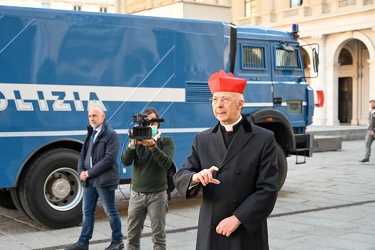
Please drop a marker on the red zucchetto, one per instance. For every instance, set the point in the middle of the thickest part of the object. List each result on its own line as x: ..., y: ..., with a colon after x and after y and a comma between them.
x: 222, y: 82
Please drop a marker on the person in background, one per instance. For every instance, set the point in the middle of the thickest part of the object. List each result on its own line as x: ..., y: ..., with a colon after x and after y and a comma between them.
x: 151, y: 159
x: 98, y: 172
x: 370, y: 136
x: 235, y: 164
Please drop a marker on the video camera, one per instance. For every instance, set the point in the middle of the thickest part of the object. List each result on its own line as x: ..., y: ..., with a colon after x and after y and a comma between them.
x: 142, y: 131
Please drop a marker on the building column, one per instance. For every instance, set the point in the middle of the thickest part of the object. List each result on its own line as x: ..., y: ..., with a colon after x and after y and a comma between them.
x: 357, y: 84
x: 320, y: 83
x: 366, y: 92
x: 149, y: 4
x: 332, y: 91
x: 120, y: 6
x: 371, y: 64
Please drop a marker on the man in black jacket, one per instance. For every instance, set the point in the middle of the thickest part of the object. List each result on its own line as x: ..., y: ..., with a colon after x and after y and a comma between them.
x: 98, y: 172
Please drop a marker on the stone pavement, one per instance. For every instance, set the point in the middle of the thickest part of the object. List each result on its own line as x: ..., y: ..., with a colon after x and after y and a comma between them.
x: 327, y: 203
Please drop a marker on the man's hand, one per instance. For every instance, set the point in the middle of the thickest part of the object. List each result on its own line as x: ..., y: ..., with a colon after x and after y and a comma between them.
x: 227, y: 226
x: 84, y: 175
x: 205, y: 177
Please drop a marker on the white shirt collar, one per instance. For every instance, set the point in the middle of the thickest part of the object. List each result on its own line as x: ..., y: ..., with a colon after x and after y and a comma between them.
x: 229, y: 127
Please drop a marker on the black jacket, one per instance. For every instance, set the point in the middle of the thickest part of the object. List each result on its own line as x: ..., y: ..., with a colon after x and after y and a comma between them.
x: 104, y: 171
x: 248, y: 174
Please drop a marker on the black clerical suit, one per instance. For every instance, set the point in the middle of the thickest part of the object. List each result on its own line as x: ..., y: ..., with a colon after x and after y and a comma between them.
x: 248, y: 173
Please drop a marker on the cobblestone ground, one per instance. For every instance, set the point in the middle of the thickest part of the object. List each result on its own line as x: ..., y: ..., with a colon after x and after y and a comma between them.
x: 327, y: 203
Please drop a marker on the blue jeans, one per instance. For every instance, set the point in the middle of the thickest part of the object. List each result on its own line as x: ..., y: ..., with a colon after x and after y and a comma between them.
x: 156, y: 206
x: 90, y: 199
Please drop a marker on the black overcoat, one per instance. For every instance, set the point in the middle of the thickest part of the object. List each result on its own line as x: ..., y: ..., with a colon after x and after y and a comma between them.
x: 248, y: 173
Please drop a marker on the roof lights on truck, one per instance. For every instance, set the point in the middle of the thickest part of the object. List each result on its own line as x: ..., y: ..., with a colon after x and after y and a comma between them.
x: 295, y: 31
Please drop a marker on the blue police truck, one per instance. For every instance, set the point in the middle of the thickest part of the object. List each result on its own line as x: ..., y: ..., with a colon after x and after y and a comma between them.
x: 55, y: 63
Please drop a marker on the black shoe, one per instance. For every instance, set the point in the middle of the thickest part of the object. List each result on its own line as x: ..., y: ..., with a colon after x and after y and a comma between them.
x: 76, y: 246
x: 365, y: 160
x: 116, y: 246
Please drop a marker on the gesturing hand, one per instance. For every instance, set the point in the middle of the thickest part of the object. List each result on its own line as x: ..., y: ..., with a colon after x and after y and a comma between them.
x: 205, y: 176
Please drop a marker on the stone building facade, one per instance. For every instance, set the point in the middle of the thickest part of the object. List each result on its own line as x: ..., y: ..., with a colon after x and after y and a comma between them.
x: 345, y: 32
x: 79, y: 5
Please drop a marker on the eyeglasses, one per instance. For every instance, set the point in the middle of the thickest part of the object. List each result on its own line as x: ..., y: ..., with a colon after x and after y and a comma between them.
x: 223, y: 99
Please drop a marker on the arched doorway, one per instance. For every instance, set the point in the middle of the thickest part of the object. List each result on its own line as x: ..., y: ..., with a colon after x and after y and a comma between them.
x: 345, y: 100
x: 345, y: 104
x: 353, y: 82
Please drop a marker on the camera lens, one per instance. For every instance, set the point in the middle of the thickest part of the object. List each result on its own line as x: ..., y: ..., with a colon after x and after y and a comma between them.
x: 143, y: 132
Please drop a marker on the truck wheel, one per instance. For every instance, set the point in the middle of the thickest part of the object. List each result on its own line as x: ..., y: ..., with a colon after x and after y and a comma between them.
x: 50, y: 191
x: 17, y: 201
x: 6, y: 199
x: 283, y: 165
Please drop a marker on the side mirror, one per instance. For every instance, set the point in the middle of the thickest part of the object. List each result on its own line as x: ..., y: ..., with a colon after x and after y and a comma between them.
x: 315, y: 60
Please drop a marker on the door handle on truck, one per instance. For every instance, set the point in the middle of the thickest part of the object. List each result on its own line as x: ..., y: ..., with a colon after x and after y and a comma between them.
x: 277, y: 100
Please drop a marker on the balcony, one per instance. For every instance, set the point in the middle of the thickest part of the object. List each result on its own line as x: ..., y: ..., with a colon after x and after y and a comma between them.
x: 141, y: 5
x: 307, y: 11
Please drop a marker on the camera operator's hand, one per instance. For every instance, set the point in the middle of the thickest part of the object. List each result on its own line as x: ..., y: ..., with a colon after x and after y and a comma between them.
x: 147, y: 143
x: 131, y: 144
x: 150, y: 143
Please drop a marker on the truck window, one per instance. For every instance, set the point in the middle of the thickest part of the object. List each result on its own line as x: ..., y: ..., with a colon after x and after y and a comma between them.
x: 287, y: 60
x: 252, y: 57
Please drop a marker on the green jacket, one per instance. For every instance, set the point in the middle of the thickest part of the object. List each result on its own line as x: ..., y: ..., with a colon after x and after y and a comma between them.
x: 149, y: 172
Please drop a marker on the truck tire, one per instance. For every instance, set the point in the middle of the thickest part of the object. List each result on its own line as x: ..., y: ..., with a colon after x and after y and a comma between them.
x: 283, y: 165
x: 50, y: 190
x: 6, y: 199
x: 16, y: 200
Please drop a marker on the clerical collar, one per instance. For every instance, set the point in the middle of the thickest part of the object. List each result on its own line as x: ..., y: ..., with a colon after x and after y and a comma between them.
x: 229, y: 128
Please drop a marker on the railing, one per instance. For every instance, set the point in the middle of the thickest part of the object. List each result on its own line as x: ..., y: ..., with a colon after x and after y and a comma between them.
x: 136, y: 6
x: 292, y: 12
x: 140, y: 5
x: 345, y: 3
x: 325, y: 7
x: 279, y: 15
x: 301, y: 12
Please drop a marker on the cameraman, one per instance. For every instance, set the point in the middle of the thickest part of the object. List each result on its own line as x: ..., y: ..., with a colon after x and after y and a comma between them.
x: 151, y: 159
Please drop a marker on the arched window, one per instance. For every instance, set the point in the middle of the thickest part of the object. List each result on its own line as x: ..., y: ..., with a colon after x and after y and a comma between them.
x: 345, y: 58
